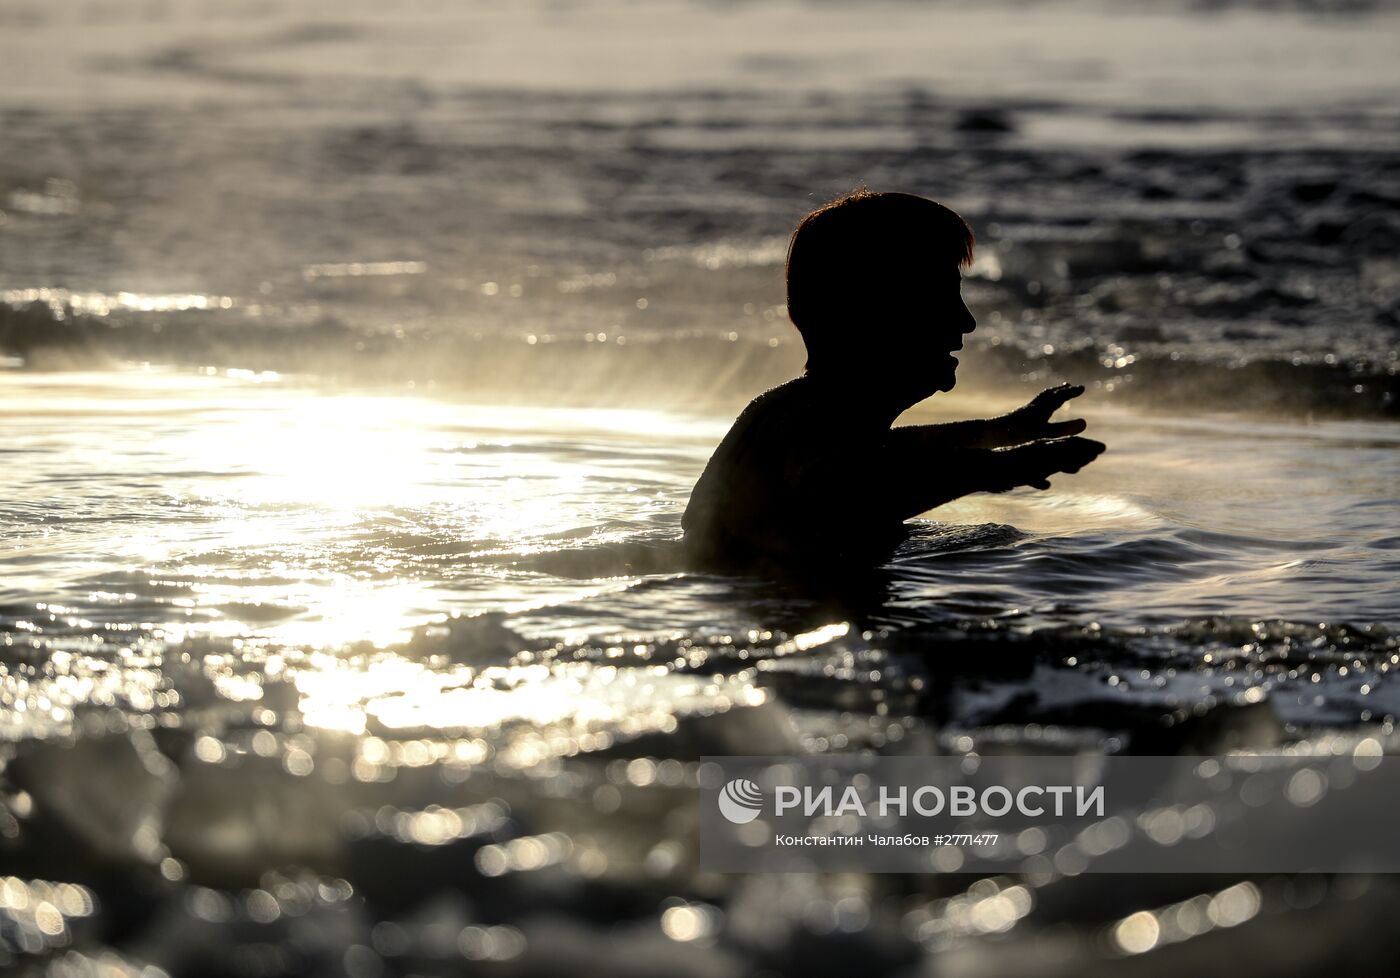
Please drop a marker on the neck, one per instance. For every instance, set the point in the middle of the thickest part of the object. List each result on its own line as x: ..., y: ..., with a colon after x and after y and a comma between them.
x: 863, y: 403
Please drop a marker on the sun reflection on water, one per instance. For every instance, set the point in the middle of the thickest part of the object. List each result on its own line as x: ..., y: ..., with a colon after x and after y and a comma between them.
x: 537, y: 710
x: 285, y: 524
x: 316, y: 517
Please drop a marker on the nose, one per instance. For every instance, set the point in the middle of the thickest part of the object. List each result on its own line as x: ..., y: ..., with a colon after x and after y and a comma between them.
x: 969, y: 321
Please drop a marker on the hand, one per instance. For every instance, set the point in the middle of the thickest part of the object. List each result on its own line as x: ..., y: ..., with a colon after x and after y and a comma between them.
x: 1032, y: 422
x: 1047, y: 458
x: 1032, y: 465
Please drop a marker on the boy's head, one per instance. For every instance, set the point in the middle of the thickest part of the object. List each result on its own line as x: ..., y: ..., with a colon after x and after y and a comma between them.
x: 873, y: 282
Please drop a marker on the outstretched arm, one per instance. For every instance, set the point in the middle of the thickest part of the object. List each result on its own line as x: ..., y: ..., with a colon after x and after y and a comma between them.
x: 1025, y: 424
x: 920, y: 483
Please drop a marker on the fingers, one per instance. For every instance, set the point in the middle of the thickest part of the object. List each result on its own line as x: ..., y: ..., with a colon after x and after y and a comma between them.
x: 1073, y: 453
x: 1052, y: 398
x: 1070, y: 454
x: 1063, y: 429
x: 1033, y: 465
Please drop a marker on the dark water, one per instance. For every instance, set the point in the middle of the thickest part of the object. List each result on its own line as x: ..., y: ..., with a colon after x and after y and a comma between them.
x: 357, y: 373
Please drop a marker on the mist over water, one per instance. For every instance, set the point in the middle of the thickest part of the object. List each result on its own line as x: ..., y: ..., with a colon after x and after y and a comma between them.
x: 359, y: 360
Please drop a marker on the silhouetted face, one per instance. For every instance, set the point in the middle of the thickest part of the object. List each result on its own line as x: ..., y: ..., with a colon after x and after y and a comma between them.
x: 949, y: 321
x: 927, y: 320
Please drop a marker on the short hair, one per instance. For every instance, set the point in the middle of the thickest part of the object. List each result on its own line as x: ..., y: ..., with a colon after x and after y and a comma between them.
x: 861, y: 238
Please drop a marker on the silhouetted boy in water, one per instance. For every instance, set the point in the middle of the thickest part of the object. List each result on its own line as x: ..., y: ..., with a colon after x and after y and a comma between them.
x: 812, y: 470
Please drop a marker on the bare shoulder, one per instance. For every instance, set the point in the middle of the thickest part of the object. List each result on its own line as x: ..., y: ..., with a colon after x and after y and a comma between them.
x: 782, y: 406
x: 751, y: 472
x: 773, y: 426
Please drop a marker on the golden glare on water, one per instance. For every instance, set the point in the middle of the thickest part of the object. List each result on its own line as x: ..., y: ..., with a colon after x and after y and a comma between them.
x: 292, y: 524
x: 562, y: 705
x: 320, y: 518
x: 265, y: 532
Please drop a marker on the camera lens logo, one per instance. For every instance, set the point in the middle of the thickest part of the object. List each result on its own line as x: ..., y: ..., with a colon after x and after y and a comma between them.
x: 740, y: 801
